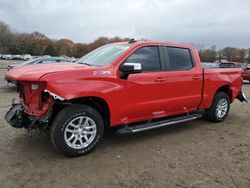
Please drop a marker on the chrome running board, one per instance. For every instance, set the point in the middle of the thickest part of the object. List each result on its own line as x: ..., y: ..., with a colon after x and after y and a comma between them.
x: 157, y: 124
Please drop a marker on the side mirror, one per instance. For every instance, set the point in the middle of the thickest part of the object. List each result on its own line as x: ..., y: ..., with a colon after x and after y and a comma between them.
x: 130, y: 68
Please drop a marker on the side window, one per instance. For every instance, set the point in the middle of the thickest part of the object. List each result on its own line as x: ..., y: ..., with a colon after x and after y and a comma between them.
x: 179, y: 59
x: 149, y: 58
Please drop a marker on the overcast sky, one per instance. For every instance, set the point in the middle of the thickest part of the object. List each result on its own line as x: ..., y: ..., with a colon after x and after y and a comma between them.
x: 208, y: 22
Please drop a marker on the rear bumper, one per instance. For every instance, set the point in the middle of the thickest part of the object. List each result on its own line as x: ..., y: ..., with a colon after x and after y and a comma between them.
x: 242, y: 97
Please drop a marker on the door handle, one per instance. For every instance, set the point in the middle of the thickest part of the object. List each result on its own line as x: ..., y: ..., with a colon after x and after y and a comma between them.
x: 196, y: 77
x: 160, y: 80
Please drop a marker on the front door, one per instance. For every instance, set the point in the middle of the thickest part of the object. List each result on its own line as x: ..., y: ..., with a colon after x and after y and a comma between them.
x: 143, y: 96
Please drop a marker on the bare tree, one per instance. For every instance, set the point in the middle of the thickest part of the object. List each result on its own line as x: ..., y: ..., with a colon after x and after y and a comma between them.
x: 5, y: 37
x: 248, y: 55
x: 229, y: 53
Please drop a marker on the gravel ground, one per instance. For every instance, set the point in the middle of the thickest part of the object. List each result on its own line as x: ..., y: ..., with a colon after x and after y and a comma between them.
x: 193, y: 154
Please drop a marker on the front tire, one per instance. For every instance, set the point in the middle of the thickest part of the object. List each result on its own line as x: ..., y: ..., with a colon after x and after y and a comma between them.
x: 77, y: 130
x: 219, y: 108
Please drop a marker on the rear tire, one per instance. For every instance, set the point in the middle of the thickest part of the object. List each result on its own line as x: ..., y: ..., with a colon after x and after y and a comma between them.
x: 219, y: 108
x: 77, y: 130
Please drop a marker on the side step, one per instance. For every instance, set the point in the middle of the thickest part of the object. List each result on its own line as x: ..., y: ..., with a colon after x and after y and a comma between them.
x: 157, y: 124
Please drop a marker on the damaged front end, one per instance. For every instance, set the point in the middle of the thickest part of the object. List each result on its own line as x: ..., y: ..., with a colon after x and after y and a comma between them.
x: 34, y: 109
x: 16, y: 116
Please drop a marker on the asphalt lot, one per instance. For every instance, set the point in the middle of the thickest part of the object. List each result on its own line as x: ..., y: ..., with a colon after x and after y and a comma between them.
x: 193, y: 154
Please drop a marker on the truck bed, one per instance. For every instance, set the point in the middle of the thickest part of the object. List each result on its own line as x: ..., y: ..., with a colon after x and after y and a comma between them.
x: 215, y: 78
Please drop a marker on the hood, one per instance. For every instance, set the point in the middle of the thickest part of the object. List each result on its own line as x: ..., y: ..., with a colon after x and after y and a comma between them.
x: 35, y: 72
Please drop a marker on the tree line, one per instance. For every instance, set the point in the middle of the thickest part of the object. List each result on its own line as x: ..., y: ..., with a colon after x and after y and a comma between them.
x: 36, y: 43
x: 231, y: 54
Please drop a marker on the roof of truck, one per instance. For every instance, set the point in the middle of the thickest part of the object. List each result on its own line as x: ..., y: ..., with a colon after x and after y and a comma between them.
x: 138, y: 43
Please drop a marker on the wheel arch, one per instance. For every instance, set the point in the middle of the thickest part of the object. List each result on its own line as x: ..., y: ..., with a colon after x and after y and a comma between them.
x: 209, y: 95
x: 225, y: 89
x: 98, y: 103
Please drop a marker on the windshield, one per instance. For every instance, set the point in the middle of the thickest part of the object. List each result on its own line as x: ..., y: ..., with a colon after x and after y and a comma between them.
x: 30, y: 61
x: 103, y: 55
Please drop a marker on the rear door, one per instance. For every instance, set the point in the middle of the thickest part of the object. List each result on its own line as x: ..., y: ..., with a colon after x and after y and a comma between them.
x: 184, y: 80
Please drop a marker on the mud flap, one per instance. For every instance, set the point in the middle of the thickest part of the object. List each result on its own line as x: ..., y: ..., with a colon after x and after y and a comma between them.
x: 242, y: 97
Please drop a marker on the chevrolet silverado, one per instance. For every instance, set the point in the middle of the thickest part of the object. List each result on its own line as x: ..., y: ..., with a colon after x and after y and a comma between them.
x: 133, y: 86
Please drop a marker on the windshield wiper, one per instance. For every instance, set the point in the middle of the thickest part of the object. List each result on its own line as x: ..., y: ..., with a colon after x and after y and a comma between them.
x: 85, y: 63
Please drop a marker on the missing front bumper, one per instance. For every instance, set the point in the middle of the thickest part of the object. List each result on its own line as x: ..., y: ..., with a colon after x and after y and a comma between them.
x: 16, y: 117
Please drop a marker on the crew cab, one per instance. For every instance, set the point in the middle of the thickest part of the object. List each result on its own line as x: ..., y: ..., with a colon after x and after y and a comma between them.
x: 133, y: 86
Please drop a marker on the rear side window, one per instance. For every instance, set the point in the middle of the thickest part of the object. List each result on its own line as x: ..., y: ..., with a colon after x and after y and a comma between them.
x: 227, y: 65
x: 149, y: 58
x: 179, y: 59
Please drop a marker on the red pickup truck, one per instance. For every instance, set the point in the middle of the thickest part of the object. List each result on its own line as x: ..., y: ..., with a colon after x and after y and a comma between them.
x: 134, y: 86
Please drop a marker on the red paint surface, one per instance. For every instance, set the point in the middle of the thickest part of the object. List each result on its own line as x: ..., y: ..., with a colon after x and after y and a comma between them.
x: 140, y: 97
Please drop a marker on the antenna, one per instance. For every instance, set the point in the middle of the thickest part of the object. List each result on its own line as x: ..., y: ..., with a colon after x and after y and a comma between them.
x: 132, y: 41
